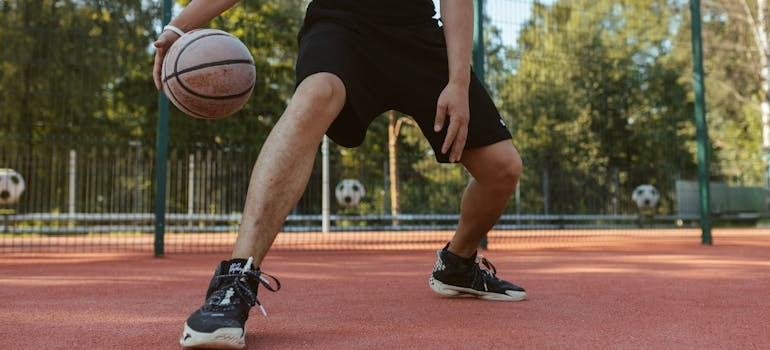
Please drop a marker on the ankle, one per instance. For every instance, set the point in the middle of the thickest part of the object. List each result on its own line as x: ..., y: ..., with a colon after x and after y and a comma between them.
x: 460, y: 253
x: 459, y: 259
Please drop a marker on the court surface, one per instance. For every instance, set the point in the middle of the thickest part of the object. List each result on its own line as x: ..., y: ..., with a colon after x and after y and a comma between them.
x: 632, y: 293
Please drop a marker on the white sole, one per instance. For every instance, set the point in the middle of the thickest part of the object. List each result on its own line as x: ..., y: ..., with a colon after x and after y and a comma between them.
x: 223, y: 338
x: 453, y: 291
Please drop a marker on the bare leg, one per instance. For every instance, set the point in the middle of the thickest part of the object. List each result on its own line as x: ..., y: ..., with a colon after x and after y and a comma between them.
x: 496, y: 170
x: 285, y: 163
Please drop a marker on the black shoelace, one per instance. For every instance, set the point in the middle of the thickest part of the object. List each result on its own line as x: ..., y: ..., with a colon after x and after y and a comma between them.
x: 488, y: 270
x: 487, y: 265
x: 241, y: 286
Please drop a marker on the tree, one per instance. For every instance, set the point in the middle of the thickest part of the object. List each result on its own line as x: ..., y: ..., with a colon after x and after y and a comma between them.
x: 595, y: 102
x: 739, y: 32
x: 64, y: 65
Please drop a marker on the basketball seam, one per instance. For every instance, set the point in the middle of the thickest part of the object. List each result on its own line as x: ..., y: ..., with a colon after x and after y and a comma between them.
x: 206, y: 65
x: 226, y: 97
x: 179, y: 103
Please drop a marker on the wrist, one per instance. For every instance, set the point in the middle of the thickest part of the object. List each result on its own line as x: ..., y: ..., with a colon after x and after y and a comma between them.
x: 460, y: 74
x: 460, y: 81
x: 174, y: 29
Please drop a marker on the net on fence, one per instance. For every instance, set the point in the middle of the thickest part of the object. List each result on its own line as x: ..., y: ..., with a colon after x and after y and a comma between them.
x: 597, y: 95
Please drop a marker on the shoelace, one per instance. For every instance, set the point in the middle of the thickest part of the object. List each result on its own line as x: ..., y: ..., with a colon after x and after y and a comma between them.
x: 487, y: 264
x: 241, y: 284
x: 487, y: 268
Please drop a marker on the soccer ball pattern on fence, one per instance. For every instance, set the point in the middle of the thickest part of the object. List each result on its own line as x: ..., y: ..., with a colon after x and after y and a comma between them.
x: 349, y: 192
x: 208, y: 74
x: 646, y: 197
x: 11, y: 186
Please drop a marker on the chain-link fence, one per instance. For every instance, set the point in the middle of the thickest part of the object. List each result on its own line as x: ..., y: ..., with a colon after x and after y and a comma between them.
x: 598, y: 96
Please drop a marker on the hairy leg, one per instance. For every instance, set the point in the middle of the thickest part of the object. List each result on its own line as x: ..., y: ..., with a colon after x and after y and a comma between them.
x: 496, y: 170
x: 285, y: 162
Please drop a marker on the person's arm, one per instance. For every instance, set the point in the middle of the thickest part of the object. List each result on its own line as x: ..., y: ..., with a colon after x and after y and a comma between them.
x: 195, y: 15
x: 457, y: 18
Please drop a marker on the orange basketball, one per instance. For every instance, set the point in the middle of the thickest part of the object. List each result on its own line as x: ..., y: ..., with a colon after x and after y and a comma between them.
x: 208, y: 74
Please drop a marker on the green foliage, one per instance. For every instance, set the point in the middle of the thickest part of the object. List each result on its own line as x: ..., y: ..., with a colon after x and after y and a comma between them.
x: 597, y: 94
x: 69, y: 78
x: 733, y: 93
x: 593, y: 102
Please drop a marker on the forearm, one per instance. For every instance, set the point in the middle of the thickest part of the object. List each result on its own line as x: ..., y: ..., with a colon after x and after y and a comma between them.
x: 457, y: 17
x: 200, y: 12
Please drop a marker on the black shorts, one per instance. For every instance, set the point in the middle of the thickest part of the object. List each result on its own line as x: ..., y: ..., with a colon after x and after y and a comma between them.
x: 383, y: 67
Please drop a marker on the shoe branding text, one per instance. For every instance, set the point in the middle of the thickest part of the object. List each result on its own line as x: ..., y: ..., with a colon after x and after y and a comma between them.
x: 235, y: 268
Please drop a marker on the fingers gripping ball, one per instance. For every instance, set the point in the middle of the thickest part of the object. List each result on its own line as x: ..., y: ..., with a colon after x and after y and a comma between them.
x: 208, y: 74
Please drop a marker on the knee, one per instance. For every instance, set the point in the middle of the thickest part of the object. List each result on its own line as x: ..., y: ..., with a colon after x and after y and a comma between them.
x: 321, y: 89
x: 509, y: 173
x: 504, y: 172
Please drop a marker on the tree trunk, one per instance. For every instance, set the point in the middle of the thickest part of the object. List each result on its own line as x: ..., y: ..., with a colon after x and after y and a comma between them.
x: 762, y: 28
x: 393, y: 131
x: 762, y: 33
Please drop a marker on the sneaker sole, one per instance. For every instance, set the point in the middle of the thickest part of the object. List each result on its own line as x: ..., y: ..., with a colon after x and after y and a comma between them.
x: 223, y: 338
x: 454, y: 291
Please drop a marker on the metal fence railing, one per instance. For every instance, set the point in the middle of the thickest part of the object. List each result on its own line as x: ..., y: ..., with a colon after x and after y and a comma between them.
x: 597, y: 94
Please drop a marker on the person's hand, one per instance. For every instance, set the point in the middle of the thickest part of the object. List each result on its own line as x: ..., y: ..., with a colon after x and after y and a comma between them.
x: 453, y: 105
x: 161, y: 47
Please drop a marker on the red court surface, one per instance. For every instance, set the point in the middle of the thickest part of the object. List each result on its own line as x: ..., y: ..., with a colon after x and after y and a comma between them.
x: 664, y: 293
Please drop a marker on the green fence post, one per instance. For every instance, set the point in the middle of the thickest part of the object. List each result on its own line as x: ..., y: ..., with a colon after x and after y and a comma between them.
x: 161, y: 150
x: 478, y: 59
x: 478, y: 40
x: 700, y: 123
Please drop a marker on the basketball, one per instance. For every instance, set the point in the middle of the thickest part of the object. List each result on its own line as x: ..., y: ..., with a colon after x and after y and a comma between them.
x: 208, y: 74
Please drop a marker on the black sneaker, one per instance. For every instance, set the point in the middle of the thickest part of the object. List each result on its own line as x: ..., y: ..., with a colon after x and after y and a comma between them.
x: 455, y: 276
x: 219, y: 323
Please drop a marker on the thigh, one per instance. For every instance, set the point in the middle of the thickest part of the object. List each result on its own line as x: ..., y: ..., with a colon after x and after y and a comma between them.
x: 485, y: 126
x: 328, y: 47
x: 420, y: 75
